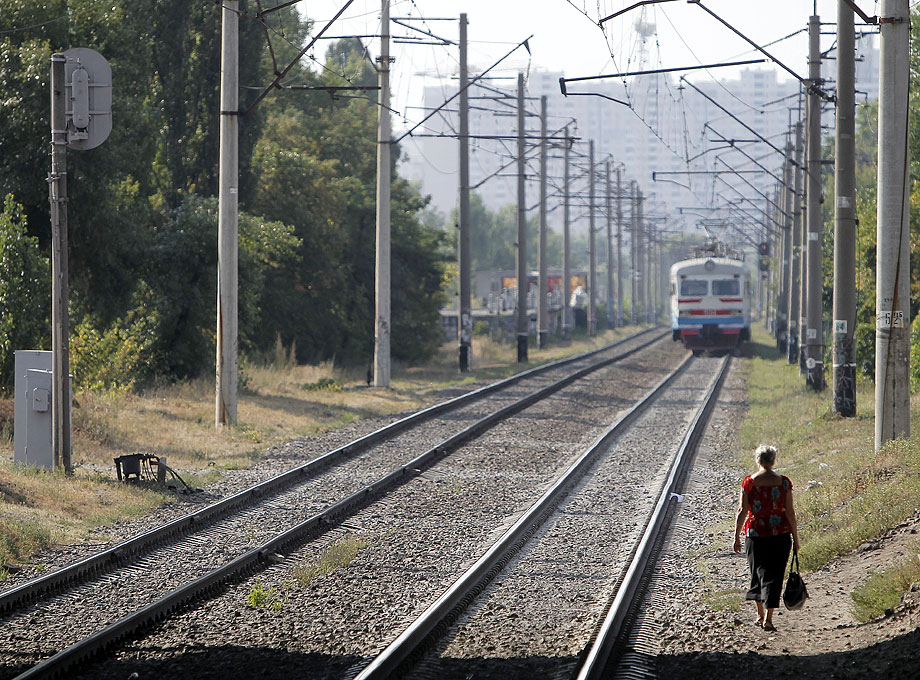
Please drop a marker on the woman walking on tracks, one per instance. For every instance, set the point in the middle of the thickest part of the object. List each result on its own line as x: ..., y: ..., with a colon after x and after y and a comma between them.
x: 766, y: 516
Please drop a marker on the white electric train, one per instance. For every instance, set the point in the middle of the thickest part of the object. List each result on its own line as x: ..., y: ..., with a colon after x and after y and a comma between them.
x: 710, y: 303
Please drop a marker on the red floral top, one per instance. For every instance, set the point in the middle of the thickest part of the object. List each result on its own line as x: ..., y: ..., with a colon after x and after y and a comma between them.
x: 766, y: 508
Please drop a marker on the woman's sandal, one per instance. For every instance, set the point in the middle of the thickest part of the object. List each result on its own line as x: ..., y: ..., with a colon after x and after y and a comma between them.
x: 768, y: 627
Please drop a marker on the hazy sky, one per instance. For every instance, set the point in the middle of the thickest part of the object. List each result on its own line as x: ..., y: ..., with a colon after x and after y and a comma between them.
x: 566, y: 36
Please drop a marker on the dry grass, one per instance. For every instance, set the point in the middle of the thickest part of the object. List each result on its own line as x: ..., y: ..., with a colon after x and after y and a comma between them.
x: 39, y: 509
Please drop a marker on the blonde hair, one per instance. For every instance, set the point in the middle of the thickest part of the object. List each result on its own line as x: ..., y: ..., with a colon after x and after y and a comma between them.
x: 765, y: 455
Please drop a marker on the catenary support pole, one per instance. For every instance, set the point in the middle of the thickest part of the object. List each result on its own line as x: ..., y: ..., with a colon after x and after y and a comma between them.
x: 619, y: 249
x: 60, y: 314
x: 566, y: 245
x: 768, y: 316
x: 783, y: 300
x: 465, y: 321
x: 802, y: 291
x: 795, y: 298
x: 641, y: 272
x: 649, y: 274
x: 892, y: 271
x: 611, y: 313
x: 228, y: 218
x: 844, y: 355
x: 634, y: 260
x: 382, y: 324
x: 813, y: 332
x: 542, y: 338
x: 778, y: 326
x: 523, y: 318
x: 788, y: 196
x: 592, y: 252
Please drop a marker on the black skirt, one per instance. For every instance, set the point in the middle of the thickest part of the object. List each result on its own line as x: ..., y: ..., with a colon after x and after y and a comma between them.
x: 767, y: 556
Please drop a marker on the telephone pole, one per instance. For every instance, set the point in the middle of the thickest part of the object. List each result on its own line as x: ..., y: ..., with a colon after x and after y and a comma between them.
x: 228, y: 219
x: 382, y: 284
x: 541, y: 285
x: 844, y: 356
x: 465, y: 322
x: 523, y: 319
x: 592, y: 254
x: 566, y: 246
x: 892, y: 271
x: 814, y: 338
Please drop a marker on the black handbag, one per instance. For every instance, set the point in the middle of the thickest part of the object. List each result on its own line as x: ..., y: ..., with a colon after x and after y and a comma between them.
x: 796, y: 593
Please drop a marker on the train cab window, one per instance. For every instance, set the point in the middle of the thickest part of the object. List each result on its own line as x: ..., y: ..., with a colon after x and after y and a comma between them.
x: 694, y: 287
x: 726, y: 287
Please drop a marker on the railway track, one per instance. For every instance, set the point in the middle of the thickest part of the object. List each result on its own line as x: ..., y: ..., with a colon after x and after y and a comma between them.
x: 296, y: 494
x: 486, y: 623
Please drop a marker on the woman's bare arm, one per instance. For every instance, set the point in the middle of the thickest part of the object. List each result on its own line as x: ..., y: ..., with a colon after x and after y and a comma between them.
x: 790, y: 515
x: 739, y: 520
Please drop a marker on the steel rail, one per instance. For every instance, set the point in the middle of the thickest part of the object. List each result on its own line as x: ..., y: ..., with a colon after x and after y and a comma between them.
x: 455, y: 599
x: 257, y: 558
x: 117, y: 555
x: 595, y: 664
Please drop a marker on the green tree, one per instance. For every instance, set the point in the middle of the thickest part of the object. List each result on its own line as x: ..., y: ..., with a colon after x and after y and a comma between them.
x: 25, y: 296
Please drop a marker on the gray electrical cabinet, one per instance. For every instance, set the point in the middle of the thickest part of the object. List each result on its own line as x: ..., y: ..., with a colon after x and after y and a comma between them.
x: 32, y: 424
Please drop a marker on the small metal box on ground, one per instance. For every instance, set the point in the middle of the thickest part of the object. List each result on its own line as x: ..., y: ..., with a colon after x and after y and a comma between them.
x: 32, y: 410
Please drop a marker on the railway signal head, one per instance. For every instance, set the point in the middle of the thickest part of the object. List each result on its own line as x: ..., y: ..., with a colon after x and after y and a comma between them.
x: 764, y: 249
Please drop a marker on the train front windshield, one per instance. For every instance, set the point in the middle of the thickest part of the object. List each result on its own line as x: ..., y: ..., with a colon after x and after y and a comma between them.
x: 726, y: 287
x: 694, y: 287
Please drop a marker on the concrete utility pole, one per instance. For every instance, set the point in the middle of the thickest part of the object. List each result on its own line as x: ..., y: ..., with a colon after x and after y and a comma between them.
x: 228, y: 219
x: 814, y: 337
x: 797, y: 221
x: 892, y: 271
x: 619, y: 250
x: 641, y: 272
x: 382, y: 285
x: 783, y: 300
x: 775, y: 279
x: 655, y: 269
x: 634, y: 259
x: 611, y: 314
x: 802, y: 292
x: 844, y: 356
x: 465, y: 321
x: 60, y: 313
x: 789, y: 227
x: 592, y: 254
x: 541, y: 292
x: 649, y: 275
x: 771, y: 238
x: 566, y: 246
x: 523, y: 319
